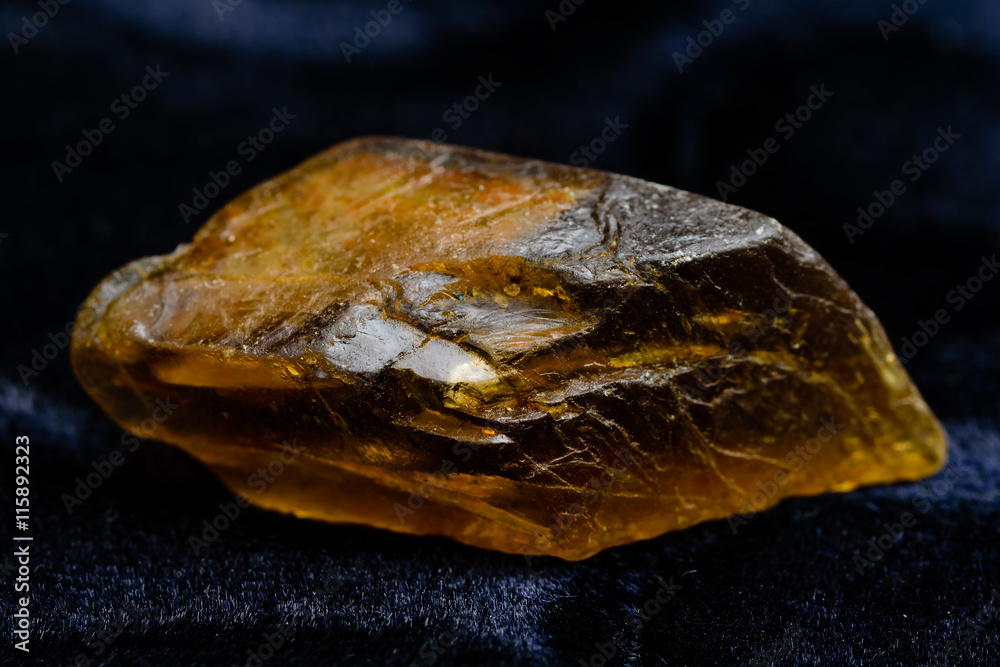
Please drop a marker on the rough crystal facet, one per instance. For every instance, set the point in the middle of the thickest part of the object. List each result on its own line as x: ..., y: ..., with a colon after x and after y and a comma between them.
x: 515, y: 354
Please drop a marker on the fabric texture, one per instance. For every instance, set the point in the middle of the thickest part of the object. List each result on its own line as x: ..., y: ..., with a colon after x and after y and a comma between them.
x: 685, y: 94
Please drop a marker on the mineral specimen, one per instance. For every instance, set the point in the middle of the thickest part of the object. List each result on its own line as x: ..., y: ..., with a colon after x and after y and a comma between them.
x: 518, y: 355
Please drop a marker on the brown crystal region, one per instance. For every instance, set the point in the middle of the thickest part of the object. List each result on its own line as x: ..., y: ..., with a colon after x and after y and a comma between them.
x: 518, y: 355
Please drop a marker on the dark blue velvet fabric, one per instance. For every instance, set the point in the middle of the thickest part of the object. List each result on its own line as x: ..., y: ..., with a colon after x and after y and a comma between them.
x: 116, y: 582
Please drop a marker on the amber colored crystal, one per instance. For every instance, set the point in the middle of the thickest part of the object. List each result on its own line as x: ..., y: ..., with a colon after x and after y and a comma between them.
x: 518, y: 355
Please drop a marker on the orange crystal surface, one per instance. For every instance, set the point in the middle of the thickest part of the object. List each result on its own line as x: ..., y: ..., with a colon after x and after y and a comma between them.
x: 518, y: 355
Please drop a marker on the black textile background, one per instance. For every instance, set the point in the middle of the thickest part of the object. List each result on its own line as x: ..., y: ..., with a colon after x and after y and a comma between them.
x: 117, y: 582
